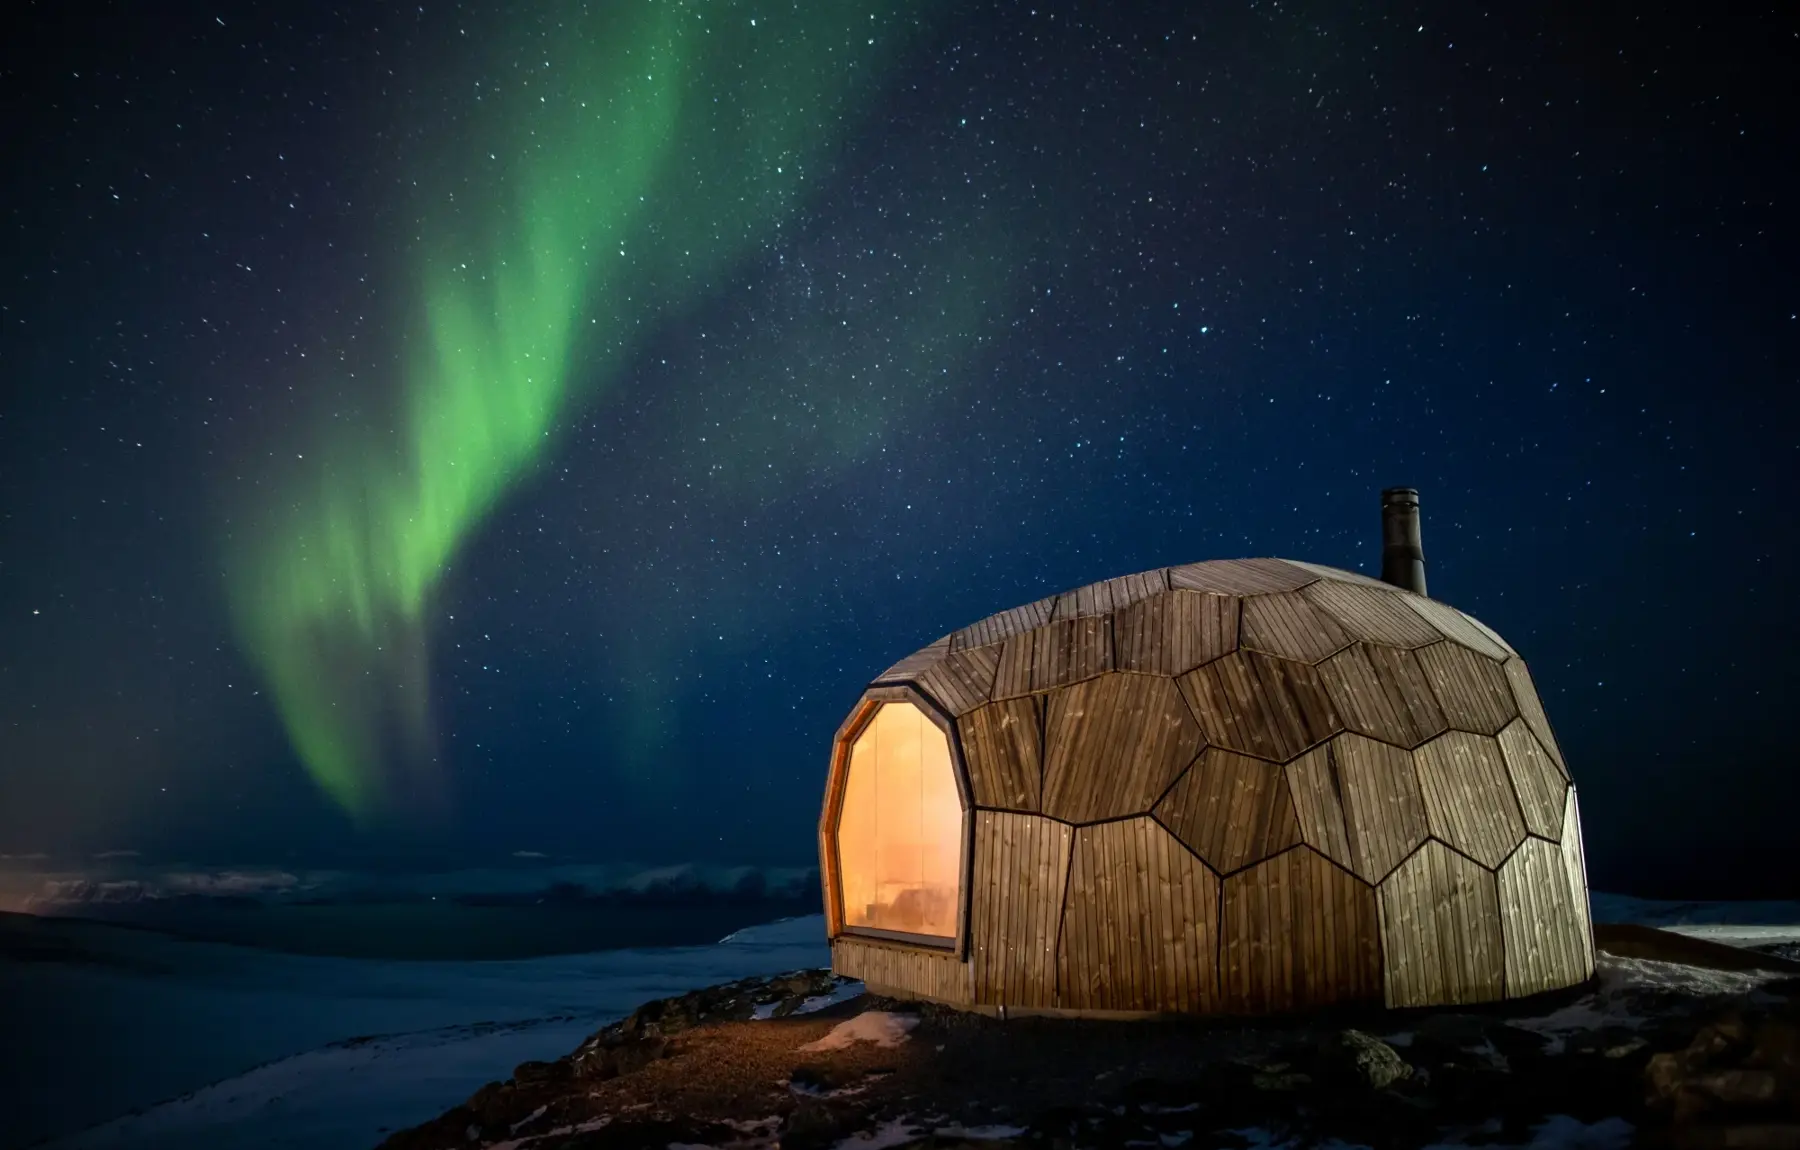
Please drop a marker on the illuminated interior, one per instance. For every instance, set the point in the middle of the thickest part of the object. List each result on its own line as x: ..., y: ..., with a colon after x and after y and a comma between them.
x: 900, y: 834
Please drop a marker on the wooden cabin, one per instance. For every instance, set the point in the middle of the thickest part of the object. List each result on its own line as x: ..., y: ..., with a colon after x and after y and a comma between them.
x: 1234, y: 786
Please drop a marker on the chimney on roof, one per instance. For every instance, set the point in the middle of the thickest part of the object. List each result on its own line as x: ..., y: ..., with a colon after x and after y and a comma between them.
x: 1402, y: 555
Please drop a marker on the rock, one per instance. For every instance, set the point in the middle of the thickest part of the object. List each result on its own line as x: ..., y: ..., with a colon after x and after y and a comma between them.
x: 1352, y: 1057
x: 814, y: 1124
x: 558, y: 1071
x: 823, y: 1078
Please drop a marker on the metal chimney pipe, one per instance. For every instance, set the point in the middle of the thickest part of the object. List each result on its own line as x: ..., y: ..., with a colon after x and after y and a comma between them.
x: 1402, y: 555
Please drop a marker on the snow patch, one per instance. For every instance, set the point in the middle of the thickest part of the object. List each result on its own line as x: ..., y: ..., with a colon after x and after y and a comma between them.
x: 882, y: 1027
x: 990, y: 1133
x: 894, y: 1132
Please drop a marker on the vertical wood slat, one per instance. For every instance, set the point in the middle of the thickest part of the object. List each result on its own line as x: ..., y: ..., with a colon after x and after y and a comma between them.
x: 1538, y: 784
x: 1001, y: 746
x: 1372, y: 614
x: 1113, y: 744
x: 1260, y: 705
x: 1531, y: 709
x: 1440, y: 931
x: 1471, y: 689
x: 1233, y: 810
x: 1289, y: 625
x: 1575, y: 868
x: 1314, y: 787
x: 1469, y: 799
x: 1012, y: 672
x: 1173, y: 632
x: 1070, y: 650
x: 908, y: 970
x: 1116, y: 892
x: 1542, y: 927
x: 1383, y: 693
x: 1298, y: 932
x: 1385, y: 817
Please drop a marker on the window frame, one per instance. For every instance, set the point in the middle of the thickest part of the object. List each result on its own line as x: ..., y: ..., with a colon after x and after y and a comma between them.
x: 829, y: 870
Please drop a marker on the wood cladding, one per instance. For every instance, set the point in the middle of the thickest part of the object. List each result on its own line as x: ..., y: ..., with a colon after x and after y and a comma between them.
x: 1241, y: 576
x: 1260, y: 705
x: 1003, y: 625
x: 1022, y: 864
x: 1440, y: 931
x: 1231, y: 809
x: 1544, y: 931
x: 1575, y: 869
x: 1384, y: 693
x: 887, y: 966
x: 916, y: 662
x: 1251, y: 785
x: 1536, y: 781
x: 1002, y: 746
x: 1454, y: 625
x: 1374, y: 616
x: 1112, y: 746
x: 1109, y: 595
x: 1358, y: 803
x: 1471, y: 688
x: 1298, y: 932
x: 963, y: 680
x: 1140, y: 925
x: 1173, y: 632
x: 1531, y: 709
x: 1288, y: 625
x: 1469, y: 799
x: 1070, y: 650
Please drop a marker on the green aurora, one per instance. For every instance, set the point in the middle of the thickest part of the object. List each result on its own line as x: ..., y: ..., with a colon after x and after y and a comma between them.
x: 627, y: 166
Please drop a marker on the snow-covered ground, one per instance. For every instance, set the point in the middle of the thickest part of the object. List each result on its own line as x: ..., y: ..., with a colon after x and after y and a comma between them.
x: 306, y: 1052
x: 220, y: 1047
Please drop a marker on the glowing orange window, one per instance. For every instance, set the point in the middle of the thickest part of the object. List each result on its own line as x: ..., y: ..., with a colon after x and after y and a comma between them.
x: 900, y: 833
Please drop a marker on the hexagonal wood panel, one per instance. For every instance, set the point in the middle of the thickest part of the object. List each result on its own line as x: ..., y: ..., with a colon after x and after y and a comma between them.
x: 1174, y: 632
x: 1289, y: 626
x: 1140, y: 925
x: 1016, y: 912
x: 1231, y: 809
x: 1298, y: 932
x: 1260, y: 705
x: 1001, y: 745
x: 1240, y: 576
x: 1471, y: 688
x: 1542, y: 927
x: 1440, y: 931
x: 1536, y: 781
x: 1455, y: 626
x: 1383, y: 692
x: 1531, y: 708
x: 1113, y: 745
x: 1358, y: 803
x: 1469, y: 800
x: 1373, y: 614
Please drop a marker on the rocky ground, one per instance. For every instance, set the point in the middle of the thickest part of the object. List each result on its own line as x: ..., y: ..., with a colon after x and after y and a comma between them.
x: 1675, y: 1043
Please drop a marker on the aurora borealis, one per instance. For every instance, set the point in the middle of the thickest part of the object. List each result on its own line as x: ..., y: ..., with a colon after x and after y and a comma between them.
x: 526, y: 426
x: 630, y: 159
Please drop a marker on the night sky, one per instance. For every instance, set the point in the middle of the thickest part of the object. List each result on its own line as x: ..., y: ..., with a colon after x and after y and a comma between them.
x: 433, y: 432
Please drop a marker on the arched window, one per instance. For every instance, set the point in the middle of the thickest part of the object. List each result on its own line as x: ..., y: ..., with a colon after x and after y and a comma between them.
x: 899, y: 836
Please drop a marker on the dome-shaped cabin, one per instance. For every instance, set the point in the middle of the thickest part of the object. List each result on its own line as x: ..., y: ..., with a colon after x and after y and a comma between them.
x: 1233, y: 786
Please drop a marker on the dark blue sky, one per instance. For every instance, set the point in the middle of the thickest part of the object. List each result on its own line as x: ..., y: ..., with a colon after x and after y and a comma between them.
x: 1199, y: 280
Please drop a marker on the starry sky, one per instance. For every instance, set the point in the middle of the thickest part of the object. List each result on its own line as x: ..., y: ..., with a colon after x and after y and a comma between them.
x: 431, y: 432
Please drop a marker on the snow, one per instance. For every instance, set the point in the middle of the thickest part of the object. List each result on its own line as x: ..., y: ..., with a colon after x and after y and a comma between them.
x: 222, y: 1046
x: 881, y: 1027
x: 280, y: 1038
